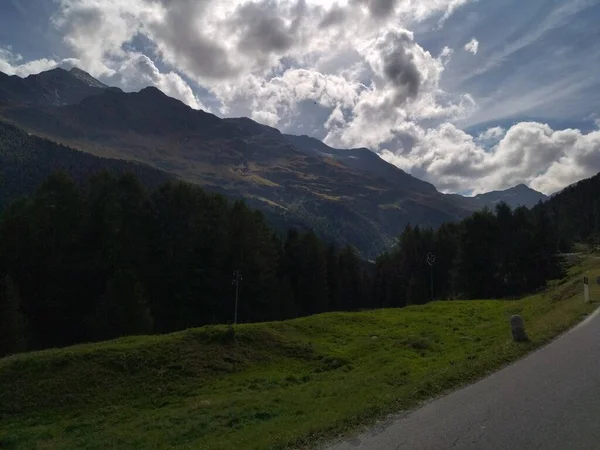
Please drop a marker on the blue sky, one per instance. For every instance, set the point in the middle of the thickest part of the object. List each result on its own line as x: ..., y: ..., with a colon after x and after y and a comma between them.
x: 518, y: 104
x: 537, y: 60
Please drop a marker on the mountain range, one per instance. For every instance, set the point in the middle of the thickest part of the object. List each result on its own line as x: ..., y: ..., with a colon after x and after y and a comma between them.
x: 520, y: 195
x: 350, y: 196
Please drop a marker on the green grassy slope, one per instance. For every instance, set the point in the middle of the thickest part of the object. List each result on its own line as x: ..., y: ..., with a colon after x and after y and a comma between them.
x: 272, y: 384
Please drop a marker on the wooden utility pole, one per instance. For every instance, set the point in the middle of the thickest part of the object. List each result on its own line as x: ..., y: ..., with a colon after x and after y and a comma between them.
x: 237, y: 277
x: 430, y: 261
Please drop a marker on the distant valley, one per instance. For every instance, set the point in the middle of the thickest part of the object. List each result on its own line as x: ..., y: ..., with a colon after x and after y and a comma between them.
x: 350, y: 196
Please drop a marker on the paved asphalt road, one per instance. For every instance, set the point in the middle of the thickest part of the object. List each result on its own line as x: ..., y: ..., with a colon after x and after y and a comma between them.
x: 549, y: 400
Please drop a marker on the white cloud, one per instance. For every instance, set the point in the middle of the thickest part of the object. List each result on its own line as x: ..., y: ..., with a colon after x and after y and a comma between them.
x: 262, y: 58
x: 12, y: 64
x: 403, y: 87
x: 265, y: 117
x: 138, y: 71
x: 349, y: 71
x: 472, y: 46
x: 133, y: 71
x: 528, y: 152
x: 213, y: 39
x: 491, y: 136
x: 404, y: 91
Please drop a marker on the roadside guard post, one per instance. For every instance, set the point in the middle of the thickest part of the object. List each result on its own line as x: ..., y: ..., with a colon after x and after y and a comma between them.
x: 517, y: 328
x: 586, y: 290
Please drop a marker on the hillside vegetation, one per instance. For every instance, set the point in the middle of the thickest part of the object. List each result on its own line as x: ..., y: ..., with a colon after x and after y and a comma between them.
x: 107, y: 258
x: 576, y: 211
x: 236, y: 157
x: 268, y: 385
x: 27, y: 161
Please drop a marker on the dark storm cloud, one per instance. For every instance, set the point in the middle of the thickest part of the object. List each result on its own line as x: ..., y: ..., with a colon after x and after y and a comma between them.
x: 265, y: 34
x: 86, y: 19
x: 381, y: 8
x: 334, y: 16
x: 399, y: 65
x: 378, y: 9
x: 180, y: 37
x: 262, y: 30
x: 404, y: 142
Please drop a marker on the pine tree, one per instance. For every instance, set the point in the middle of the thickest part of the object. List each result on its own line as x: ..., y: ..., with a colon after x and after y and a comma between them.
x: 123, y: 309
x: 445, y: 249
x: 13, y: 338
x: 333, y: 279
x: 352, y: 286
x: 522, y: 236
x: 287, y: 306
x: 413, y: 247
x: 313, y: 285
x: 506, y: 253
x: 544, y: 261
x: 383, y: 281
x: 475, y: 270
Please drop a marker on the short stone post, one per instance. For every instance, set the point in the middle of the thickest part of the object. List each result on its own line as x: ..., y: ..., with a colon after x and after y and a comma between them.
x: 517, y: 327
x: 586, y: 290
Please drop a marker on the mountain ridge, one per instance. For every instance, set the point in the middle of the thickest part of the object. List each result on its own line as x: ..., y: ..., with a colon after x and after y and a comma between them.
x: 55, y: 87
x: 519, y: 195
x: 350, y: 196
x: 359, y: 158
